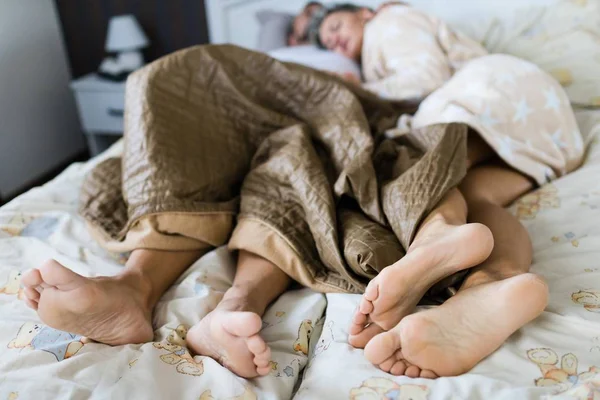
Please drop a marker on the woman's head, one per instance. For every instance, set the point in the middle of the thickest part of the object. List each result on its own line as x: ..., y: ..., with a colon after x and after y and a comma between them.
x: 341, y: 28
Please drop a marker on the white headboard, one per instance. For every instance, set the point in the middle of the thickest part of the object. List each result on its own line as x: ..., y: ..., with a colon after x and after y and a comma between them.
x: 234, y: 21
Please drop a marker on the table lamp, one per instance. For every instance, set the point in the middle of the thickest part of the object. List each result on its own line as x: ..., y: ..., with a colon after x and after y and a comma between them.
x: 125, y: 38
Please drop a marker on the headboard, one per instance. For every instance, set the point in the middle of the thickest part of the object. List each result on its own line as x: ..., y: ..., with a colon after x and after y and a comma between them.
x: 234, y: 21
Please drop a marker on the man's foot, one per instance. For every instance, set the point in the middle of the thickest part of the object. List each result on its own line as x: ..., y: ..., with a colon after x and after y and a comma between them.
x: 230, y: 335
x: 451, y: 339
x: 110, y: 310
x: 437, y: 253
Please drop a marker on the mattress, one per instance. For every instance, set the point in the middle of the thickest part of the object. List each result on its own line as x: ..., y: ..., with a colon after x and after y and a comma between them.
x: 558, y: 354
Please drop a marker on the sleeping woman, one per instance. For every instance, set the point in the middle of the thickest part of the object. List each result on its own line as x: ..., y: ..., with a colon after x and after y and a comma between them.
x: 522, y: 134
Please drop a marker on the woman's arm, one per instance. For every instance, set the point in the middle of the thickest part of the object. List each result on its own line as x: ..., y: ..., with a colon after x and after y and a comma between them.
x: 409, y: 54
x: 401, y: 56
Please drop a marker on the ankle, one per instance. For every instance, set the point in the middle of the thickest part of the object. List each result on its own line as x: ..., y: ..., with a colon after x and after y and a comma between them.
x: 240, y: 298
x: 141, y: 285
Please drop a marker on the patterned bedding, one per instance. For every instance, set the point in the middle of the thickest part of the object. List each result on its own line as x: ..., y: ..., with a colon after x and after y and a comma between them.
x: 556, y: 355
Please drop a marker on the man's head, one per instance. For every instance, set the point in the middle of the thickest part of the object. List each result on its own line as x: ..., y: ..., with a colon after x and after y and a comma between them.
x: 298, y: 34
x: 341, y: 29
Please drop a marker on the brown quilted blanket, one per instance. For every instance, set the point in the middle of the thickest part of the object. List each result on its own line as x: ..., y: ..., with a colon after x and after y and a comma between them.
x: 218, y: 137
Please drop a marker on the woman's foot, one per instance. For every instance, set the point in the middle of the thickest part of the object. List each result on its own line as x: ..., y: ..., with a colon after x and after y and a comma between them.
x: 451, y: 339
x: 230, y: 335
x: 110, y: 310
x: 438, y: 252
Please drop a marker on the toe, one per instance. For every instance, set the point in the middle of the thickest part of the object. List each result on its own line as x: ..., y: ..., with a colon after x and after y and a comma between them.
x: 262, y: 371
x: 382, y: 346
x: 360, y: 340
x: 428, y: 374
x: 372, y: 291
x: 399, y: 368
x: 55, y: 274
x: 360, y: 318
x: 387, y: 365
x: 243, y: 324
x: 366, y: 307
x: 413, y: 371
x: 31, y: 304
x: 257, y: 345
x: 355, y: 329
x: 261, y: 362
x: 32, y: 294
x: 32, y: 278
x: 263, y: 358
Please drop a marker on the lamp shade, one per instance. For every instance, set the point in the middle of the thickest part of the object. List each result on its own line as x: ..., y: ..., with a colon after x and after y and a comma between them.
x: 125, y: 33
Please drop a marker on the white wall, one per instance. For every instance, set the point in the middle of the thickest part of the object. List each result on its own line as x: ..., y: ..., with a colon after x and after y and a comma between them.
x: 39, y: 128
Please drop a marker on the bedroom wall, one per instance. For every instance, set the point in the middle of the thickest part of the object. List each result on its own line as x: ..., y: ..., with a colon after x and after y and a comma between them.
x: 39, y: 127
x: 169, y: 24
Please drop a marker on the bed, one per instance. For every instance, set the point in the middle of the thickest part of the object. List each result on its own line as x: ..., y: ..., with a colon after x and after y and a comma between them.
x: 558, y: 354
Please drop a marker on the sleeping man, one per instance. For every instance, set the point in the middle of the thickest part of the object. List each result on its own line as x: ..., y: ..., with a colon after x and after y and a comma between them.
x: 298, y: 34
x: 311, y: 179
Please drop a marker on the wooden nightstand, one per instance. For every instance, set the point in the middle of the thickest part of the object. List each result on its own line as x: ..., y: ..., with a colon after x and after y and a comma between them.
x: 101, y: 104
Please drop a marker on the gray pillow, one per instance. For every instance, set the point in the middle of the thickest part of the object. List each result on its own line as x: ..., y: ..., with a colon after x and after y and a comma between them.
x: 274, y: 29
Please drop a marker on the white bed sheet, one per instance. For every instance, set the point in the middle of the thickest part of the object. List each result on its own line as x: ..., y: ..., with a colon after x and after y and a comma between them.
x: 37, y: 362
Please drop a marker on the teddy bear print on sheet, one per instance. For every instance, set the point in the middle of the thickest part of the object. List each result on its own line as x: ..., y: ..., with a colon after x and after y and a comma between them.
x: 589, y: 299
x: 528, y: 206
x: 568, y: 237
x: 325, y: 339
x: 34, y: 336
x: 304, y: 334
x: 591, y: 200
x: 386, y: 389
x: 300, y: 346
x: 278, y: 320
x: 247, y: 395
x: 41, y: 227
x: 12, y: 287
x: 562, y: 375
x: 178, y: 355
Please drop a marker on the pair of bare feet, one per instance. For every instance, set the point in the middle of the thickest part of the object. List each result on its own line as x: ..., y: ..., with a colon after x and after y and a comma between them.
x: 442, y: 341
x: 451, y: 339
x: 117, y: 311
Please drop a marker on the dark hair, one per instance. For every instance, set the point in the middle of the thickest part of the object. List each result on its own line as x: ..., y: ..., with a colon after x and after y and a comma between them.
x: 319, y: 16
x: 290, y: 27
x: 313, y: 3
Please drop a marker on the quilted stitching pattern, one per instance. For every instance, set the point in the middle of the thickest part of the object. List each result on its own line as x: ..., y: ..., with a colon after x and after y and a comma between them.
x: 211, y: 125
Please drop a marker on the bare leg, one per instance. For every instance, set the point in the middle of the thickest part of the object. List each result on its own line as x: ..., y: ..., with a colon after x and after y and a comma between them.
x: 444, y: 244
x: 496, y: 299
x: 441, y: 247
x: 230, y: 333
x: 488, y: 189
x: 113, y: 310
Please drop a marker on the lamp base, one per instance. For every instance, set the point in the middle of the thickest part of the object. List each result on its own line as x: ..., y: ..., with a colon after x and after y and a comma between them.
x: 120, y: 77
x: 117, y: 69
x: 130, y: 60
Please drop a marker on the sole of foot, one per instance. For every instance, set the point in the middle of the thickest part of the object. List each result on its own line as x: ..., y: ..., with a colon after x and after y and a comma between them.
x: 232, y: 338
x: 110, y: 310
x: 451, y: 339
x: 396, y: 291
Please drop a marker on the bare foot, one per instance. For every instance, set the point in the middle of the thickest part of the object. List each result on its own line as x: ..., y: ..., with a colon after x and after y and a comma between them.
x: 230, y: 335
x: 451, y: 339
x: 111, y: 310
x: 441, y: 251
